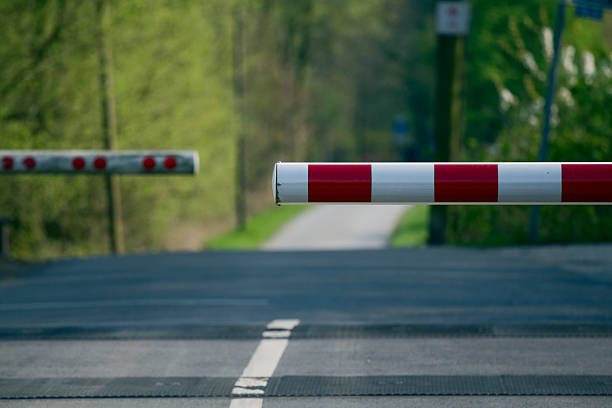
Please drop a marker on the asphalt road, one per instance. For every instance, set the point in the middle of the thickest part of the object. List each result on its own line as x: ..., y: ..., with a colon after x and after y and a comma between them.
x: 339, y: 227
x: 430, y: 327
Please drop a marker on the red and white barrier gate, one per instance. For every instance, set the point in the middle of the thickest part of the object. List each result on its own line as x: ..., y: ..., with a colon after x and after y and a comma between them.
x: 98, y: 162
x: 443, y: 183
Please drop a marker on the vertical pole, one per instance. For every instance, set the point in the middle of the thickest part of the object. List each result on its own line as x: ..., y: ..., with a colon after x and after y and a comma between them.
x: 449, y: 123
x: 239, y: 90
x: 550, y: 93
x: 109, y: 126
x: 5, y: 250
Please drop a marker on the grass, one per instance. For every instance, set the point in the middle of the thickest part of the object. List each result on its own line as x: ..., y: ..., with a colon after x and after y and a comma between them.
x: 259, y: 228
x: 412, y: 228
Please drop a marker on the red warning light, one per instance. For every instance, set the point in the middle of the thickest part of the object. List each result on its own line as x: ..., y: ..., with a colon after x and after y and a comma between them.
x: 7, y: 163
x: 99, y: 163
x: 170, y: 162
x: 148, y: 163
x: 29, y: 162
x: 78, y: 163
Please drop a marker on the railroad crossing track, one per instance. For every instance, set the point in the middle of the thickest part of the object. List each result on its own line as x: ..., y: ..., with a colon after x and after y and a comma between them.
x: 430, y: 327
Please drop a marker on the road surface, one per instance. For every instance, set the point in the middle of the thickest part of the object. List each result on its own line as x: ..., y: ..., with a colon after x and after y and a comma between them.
x: 429, y: 327
x: 339, y: 227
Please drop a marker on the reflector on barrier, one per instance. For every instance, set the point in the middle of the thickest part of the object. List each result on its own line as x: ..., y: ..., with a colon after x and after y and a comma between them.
x: 443, y: 183
x: 98, y: 162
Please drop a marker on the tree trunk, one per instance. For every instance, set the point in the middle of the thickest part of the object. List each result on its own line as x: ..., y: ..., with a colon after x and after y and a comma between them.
x: 239, y: 90
x: 109, y: 125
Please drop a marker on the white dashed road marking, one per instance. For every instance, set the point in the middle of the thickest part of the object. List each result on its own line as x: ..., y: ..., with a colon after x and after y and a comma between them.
x: 254, y: 378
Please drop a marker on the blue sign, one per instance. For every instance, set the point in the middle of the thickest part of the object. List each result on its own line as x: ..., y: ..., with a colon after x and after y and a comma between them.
x: 591, y: 9
x: 400, y: 126
x: 593, y: 12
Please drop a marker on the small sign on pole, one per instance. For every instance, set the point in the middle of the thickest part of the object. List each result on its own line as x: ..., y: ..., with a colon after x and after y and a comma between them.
x: 452, y: 18
x: 589, y: 9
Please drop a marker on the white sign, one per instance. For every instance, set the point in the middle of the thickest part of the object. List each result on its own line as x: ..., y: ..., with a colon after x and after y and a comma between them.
x: 452, y: 17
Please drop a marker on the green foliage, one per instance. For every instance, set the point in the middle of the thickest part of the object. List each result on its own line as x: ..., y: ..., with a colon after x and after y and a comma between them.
x: 173, y: 89
x: 323, y: 81
x: 412, y: 228
x: 508, y: 54
x: 258, y: 229
x: 172, y: 92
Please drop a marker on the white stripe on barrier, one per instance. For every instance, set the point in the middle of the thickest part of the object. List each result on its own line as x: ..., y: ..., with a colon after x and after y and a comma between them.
x: 392, y: 183
x: 529, y: 182
x: 292, y: 183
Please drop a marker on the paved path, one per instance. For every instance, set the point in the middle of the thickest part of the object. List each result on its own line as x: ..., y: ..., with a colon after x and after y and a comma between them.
x: 427, y: 327
x: 339, y: 227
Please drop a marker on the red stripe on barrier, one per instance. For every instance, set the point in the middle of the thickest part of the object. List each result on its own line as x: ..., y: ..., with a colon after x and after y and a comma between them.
x: 170, y: 163
x: 100, y: 163
x: 7, y: 163
x: 78, y: 163
x: 148, y: 163
x: 29, y: 162
x: 455, y: 183
x: 586, y: 182
x: 339, y: 183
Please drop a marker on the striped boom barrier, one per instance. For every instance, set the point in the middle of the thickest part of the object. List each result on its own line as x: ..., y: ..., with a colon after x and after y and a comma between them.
x: 443, y: 183
x: 98, y: 162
